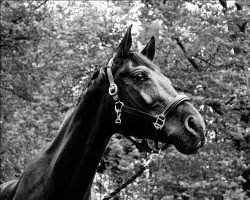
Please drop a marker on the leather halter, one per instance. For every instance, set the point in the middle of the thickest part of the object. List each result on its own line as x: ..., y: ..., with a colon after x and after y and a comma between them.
x: 158, y: 121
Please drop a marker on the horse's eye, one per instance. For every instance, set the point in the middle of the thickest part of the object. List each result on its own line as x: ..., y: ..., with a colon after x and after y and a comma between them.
x: 139, y: 76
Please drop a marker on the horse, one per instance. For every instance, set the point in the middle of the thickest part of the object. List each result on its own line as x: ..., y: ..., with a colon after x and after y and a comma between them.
x: 129, y: 95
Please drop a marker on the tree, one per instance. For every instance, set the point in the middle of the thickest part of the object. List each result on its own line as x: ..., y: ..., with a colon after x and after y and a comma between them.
x: 49, y: 50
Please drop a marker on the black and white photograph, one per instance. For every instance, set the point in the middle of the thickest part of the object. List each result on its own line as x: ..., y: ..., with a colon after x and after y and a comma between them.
x: 125, y: 100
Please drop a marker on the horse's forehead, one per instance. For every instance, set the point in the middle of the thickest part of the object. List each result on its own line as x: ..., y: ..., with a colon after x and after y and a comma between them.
x: 154, y: 74
x: 132, y: 64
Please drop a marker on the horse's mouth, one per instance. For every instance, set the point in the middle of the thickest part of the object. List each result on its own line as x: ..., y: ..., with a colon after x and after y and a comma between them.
x: 187, y: 145
x: 186, y: 140
x: 188, y: 150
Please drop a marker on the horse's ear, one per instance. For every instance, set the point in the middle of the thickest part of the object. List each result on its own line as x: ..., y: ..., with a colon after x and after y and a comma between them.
x: 125, y: 45
x: 149, y: 49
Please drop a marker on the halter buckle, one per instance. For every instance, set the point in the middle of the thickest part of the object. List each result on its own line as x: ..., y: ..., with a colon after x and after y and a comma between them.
x: 159, y: 123
x: 113, y: 89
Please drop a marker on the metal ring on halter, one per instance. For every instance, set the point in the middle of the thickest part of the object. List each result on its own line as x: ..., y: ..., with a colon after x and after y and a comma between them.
x: 113, y: 89
x: 118, y: 106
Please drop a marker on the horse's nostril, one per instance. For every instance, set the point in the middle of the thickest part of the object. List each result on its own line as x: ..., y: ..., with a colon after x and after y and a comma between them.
x: 191, y: 125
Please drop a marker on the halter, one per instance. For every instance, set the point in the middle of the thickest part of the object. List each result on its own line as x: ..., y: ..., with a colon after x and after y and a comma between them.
x: 158, y: 121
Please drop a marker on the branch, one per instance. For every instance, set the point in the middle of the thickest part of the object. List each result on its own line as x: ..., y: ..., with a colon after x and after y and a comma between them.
x: 242, y: 27
x: 223, y: 3
x: 202, y: 59
x: 22, y: 38
x: 64, y: 107
x: 182, y: 89
x: 104, y: 41
x: 216, y: 106
x: 238, y: 6
x: 42, y: 4
x: 230, y: 100
x: 189, y: 58
x: 26, y: 97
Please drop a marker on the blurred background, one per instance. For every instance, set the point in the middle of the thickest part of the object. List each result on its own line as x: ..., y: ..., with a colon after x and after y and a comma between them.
x: 49, y: 50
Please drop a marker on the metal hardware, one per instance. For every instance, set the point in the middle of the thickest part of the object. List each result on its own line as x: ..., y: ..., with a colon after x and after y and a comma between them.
x: 113, y: 89
x: 159, y: 123
x: 153, y: 157
x: 118, y: 110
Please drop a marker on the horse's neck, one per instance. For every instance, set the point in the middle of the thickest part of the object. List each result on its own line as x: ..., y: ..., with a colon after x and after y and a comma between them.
x: 78, y: 148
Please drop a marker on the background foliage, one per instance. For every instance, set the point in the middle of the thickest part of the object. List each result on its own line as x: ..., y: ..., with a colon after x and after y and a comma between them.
x: 50, y: 49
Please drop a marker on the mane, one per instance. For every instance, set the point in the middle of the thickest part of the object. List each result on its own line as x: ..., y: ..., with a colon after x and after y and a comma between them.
x: 143, y: 60
x: 95, y: 77
x: 68, y: 114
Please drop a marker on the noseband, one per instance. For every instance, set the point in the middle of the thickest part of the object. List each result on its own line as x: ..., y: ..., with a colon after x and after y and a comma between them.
x: 158, y: 121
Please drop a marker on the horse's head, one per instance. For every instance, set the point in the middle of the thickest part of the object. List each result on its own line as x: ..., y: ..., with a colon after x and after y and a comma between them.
x: 146, y: 93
